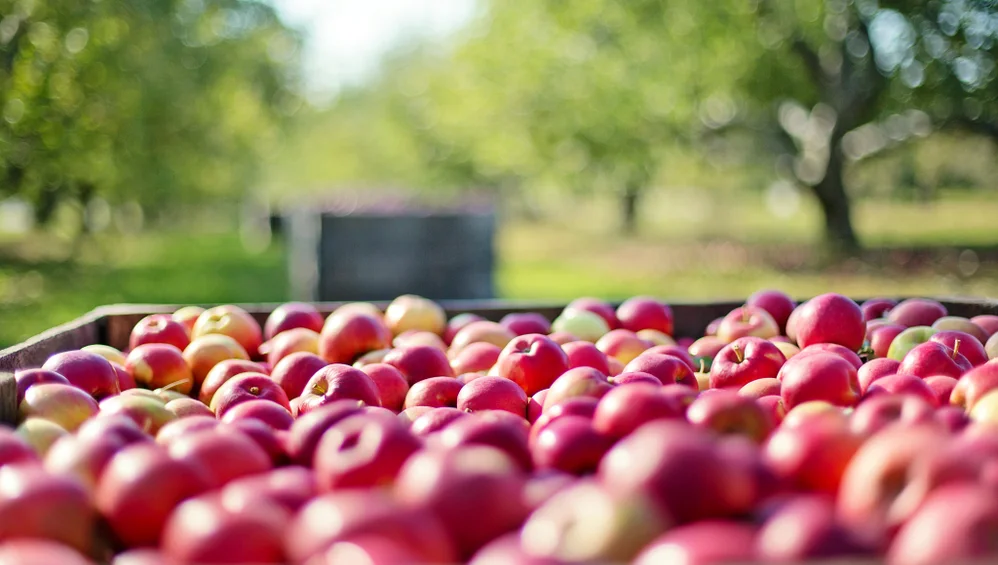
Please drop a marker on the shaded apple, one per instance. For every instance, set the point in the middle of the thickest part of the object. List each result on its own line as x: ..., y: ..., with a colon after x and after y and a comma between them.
x: 266, y: 411
x: 434, y: 420
x: 814, y: 454
x: 391, y: 383
x: 876, y: 308
x: 455, y: 324
x: 305, y: 433
x: 956, y: 524
x: 148, y: 412
x: 419, y: 362
x: 37, y: 504
x: 363, y: 452
x: 159, y: 328
x: 223, y: 455
x: 292, y: 315
x: 87, y: 371
x: 570, y: 444
x: 600, y: 307
x: 805, y: 528
x: 626, y: 408
x: 873, y: 370
x: 585, y: 354
x: 522, y: 323
x: 902, y: 385
x: 582, y: 381
x: 644, y: 312
x: 776, y: 303
x: 916, y: 312
x: 204, y: 530
x: 881, y: 410
x: 821, y: 376
x: 475, y: 357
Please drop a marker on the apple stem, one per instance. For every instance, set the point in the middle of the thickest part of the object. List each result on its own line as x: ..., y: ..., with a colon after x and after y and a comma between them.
x: 745, y: 316
x: 703, y: 365
x: 172, y: 385
x: 738, y: 352
x: 956, y: 348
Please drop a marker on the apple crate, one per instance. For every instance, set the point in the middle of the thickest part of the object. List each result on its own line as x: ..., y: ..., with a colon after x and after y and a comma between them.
x: 111, y: 325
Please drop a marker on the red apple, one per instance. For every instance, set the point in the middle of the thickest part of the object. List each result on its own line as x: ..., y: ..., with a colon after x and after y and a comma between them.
x: 338, y: 382
x: 681, y: 353
x: 40, y: 434
x: 362, y: 452
x: 880, y: 410
x: 140, y: 488
x: 270, y: 440
x: 974, y: 384
x: 475, y: 357
x: 584, y: 406
x: 246, y: 387
x: 644, y: 312
x: 148, y: 412
x: 481, y: 331
x: 29, y: 551
x: 963, y: 343
x: 830, y: 318
x: 159, y: 328
x: 82, y: 458
x: 266, y: 411
x: 511, y: 435
x: 634, y: 377
x: 586, y: 354
x: 933, y: 358
x: 187, y: 316
x: 772, y: 404
x: 728, y: 412
x: 288, y: 342
x: 419, y: 362
x: 916, y: 312
x: 224, y: 455
x: 125, y: 379
x: 533, y: 362
x: 492, y: 393
x: 679, y: 467
x: 476, y: 492
x: 411, y: 312
x: 38, y: 504
x: 434, y: 420
x: 956, y: 524
x: 117, y: 427
x: 434, y: 392
x: 624, y: 409
x: 419, y: 337
x: 902, y: 384
x: 522, y: 323
x: 290, y: 487
x: 745, y: 360
x: 711, y: 329
x: 776, y: 303
x: 205, y: 352
x: 669, y: 369
x: 706, y: 349
x: 232, y: 321
x: 158, y: 365
x: 346, y: 337
x: 873, y: 370
x: 570, y: 444
x: 942, y: 388
x: 205, y: 530
x: 814, y: 454
x: 987, y: 322
x: 835, y: 349
x: 805, y: 528
x: 222, y: 372
x: 876, y: 308
x: 307, y: 430
x: 62, y: 404
x: 186, y: 407
x: 959, y: 324
x: 87, y: 371
x: 26, y: 378
x: 14, y: 449
x: 822, y: 376
x: 455, y: 324
x: 697, y: 544
x: 882, y: 336
x: 623, y: 345
x: 596, y: 306
x: 761, y: 387
x: 747, y: 321
x: 582, y: 381
x: 292, y: 315
x: 185, y: 426
x: 507, y: 550
x: 391, y: 384
x: 294, y: 371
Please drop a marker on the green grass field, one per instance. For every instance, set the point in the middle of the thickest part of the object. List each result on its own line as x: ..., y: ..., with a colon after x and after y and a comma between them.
x: 575, y: 252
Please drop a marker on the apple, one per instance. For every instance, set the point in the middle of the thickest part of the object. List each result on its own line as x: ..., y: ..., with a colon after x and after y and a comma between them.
x: 246, y: 387
x: 669, y: 369
x: 986, y: 408
x: 882, y: 337
x: 711, y: 329
x: 706, y: 349
x: 974, y: 384
x: 761, y: 387
x: 535, y: 405
x: 955, y: 524
x: 634, y: 377
x: 106, y: 351
x: 805, y: 528
x: 644, y: 312
x: 222, y: 373
x: 728, y: 412
x: 419, y: 337
x: 584, y: 406
x: 125, y: 379
x: 391, y: 384
x: 292, y: 315
x: 583, y: 523
x: 266, y: 411
x: 583, y: 323
x: 455, y: 324
x: 186, y: 407
x: 411, y: 312
x: 522, y: 323
x: 434, y: 420
x: 582, y: 381
x: 140, y: 487
x: 271, y: 440
x: 876, y: 308
x: 747, y: 321
x: 38, y: 504
x: 157, y: 365
x: 188, y: 316
x: 933, y: 358
x: 510, y: 435
x: 308, y: 428
x: 991, y: 347
x: 987, y: 322
x: 476, y: 357
x: 149, y: 413
x: 362, y: 452
x: 772, y: 405
x: 204, y: 530
x: 118, y: 427
x: 347, y: 337
x: 159, y: 328
x: 26, y: 378
x: 232, y: 321
x: 185, y: 426
x: 907, y: 340
x: 475, y: 491
x: 813, y: 410
x: 40, y: 434
x: 533, y: 362
x: 959, y: 324
x: 835, y: 349
x: 680, y: 352
x: 333, y: 517
x: 409, y: 415
x: 776, y: 303
x: 744, y: 360
x: 916, y: 312
x: 294, y: 371
x: 288, y: 342
x: 337, y: 382
x: 362, y: 307
x: 656, y: 337
x: 698, y: 544
x: 207, y: 351
x: 813, y: 454
x: 586, y: 354
x: 942, y: 388
x: 873, y: 370
x: 830, y: 318
x: 680, y: 469
x: 14, y: 449
x: 561, y: 338
x: 492, y: 393
x: 82, y: 458
x: 87, y: 371
x: 507, y: 550
x: 963, y: 343
x: 28, y: 551
x: 596, y: 306
x: 434, y: 392
x: 880, y: 410
x: 224, y: 455
x: 290, y: 487
x: 419, y: 362
x: 821, y: 376
x: 902, y: 384
x: 623, y: 345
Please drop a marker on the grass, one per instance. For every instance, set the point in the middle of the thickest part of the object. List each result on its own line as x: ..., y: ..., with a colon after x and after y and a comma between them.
x: 689, y: 248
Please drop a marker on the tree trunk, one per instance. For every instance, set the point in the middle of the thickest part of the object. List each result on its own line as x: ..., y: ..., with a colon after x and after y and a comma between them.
x: 840, y: 237
x: 629, y: 209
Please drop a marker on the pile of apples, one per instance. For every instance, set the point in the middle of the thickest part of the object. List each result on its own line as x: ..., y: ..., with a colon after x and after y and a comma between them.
x: 787, y: 433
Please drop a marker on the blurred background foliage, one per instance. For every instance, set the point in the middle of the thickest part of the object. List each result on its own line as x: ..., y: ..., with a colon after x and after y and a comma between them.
x: 625, y: 137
